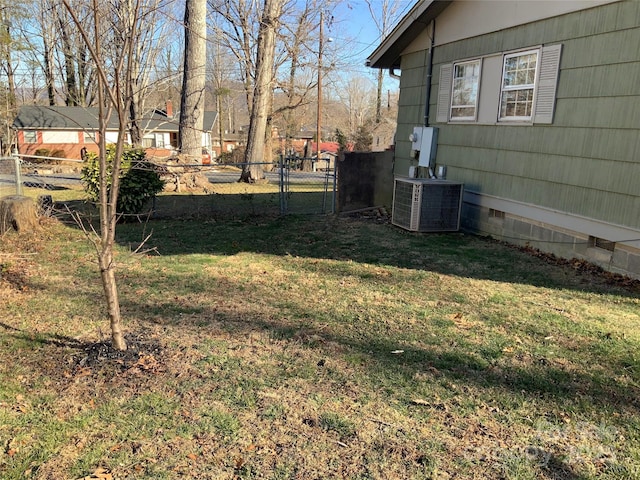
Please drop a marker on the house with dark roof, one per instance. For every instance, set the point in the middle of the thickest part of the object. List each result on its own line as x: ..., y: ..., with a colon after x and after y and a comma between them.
x: 535, y: 107
x: 65, y: 131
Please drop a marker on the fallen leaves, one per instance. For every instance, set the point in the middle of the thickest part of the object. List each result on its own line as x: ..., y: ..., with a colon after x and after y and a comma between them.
x: 146, y: 363
x: 99, y: 473
x: 20, y: 406
x: 460, y: 321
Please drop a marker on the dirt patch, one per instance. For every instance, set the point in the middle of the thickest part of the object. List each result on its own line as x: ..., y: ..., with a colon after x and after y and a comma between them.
x: 142, y: 354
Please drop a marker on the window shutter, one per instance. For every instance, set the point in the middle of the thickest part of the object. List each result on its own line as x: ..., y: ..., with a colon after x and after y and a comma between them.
x: 444, y: 93
x: 547, y: 83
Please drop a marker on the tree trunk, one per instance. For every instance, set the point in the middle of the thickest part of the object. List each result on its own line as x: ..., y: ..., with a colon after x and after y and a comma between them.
x: 255, y: 152
x: 107, y: 272
x: 48, y: 74
x: 193, y: 81
x: 17, y: 213
x: 69, y: 65
x: 135, y: 131
x: 7, y: 61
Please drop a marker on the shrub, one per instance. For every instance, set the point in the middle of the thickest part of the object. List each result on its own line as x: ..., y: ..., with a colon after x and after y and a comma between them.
x: 40, y: 152
x: 233, y: 157
x: 139, y: 179
x: 45, y: 152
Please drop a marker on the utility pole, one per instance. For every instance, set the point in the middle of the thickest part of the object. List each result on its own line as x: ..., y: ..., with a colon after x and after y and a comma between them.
x: 319, y: 119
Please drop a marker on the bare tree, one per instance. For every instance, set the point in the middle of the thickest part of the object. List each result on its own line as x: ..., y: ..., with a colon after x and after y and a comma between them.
x: 297, y: 49
x: 55, y: 46
x: 9, y: 13
x: 114, y: 73
x: 65, y: 29
x: 194, y: 77
x: 383, y: 18
x: 166, y: 72
x: 222, y: 83
x: 145, y: 54
x: 240, y: 19
x: 263, y: 89
x: 357, y: 99
x: 48, y: 46
x: 294, y: 27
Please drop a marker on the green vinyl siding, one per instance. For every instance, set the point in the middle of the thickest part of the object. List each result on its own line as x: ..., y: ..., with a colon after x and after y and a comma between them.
x: 602, y: 112
x: 594, y: 143
x: 411, y: 104
x: 606, y: 175
x: 587, y: 162
x: 590, y: 82
x: 411, y: 96
x: 611, y: 48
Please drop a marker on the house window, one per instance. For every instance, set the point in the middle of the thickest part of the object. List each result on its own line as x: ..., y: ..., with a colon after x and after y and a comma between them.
x: 518, y: 85
x: 159, y: 140
x: 153, y: 140
x: 89, y: 137
x: 464, y: 97
x: 30, y: 136
x: 148, y: 141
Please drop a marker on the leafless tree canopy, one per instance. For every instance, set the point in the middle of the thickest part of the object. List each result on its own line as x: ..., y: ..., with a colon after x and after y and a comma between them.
x: 45, y: 61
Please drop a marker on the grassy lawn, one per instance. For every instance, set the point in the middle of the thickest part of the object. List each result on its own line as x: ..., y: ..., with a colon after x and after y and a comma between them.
x: 313, y: 348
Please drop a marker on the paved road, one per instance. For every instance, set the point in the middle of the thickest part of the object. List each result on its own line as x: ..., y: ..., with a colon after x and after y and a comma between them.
x: 61, y: 180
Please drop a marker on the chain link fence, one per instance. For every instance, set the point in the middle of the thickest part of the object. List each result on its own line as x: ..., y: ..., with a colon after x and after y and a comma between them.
x: 290, y: 186
x: 287, y: 188
x: 10, y: 181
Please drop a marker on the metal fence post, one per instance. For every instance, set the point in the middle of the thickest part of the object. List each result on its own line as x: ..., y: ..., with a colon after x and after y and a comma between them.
x: 18, y: 175
x: 335, y: 187
x: 283, y: 207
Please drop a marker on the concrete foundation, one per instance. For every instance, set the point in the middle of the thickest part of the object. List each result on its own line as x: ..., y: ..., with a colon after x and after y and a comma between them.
x: 564, y: 243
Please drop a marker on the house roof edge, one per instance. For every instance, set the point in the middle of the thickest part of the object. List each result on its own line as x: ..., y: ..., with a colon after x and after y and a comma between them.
x: 387, y: 54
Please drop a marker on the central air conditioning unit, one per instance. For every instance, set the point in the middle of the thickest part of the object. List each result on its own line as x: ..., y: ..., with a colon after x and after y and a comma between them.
x: 426, y: 205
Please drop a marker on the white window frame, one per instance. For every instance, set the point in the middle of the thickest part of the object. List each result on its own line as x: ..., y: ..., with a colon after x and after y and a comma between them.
x: 159, y: 140
x: 490, y: 94
x: 30, y: 136
x: 89, y: 137
x: 153, y: 140
x: 467, y: 118
x: 148, y: 141
x: 519, y: 87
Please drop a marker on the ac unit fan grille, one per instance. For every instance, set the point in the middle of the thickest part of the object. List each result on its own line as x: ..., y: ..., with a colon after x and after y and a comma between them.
x: 440, y: 208
x: 427, y: 205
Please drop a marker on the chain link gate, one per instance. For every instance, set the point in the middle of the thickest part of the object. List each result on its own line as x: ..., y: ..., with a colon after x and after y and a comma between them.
x: 307, y: 186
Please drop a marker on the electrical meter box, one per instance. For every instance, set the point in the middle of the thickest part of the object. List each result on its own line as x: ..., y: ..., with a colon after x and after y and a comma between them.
x: 424, y: 140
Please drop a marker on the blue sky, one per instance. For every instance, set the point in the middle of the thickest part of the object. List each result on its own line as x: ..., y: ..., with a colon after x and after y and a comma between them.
x: 356, y: 34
